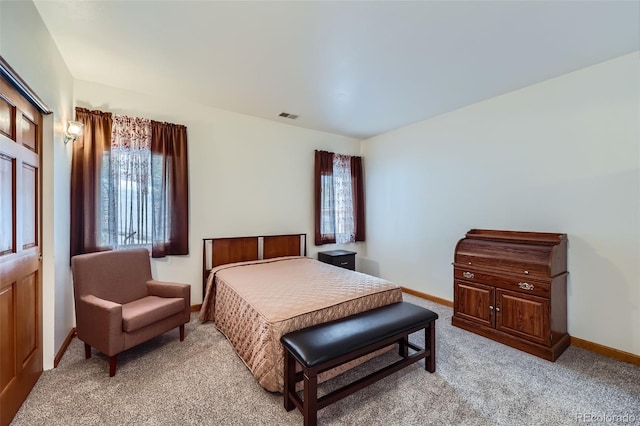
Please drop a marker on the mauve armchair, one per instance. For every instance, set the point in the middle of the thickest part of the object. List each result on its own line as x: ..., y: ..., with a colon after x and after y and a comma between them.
x: 119, y: 305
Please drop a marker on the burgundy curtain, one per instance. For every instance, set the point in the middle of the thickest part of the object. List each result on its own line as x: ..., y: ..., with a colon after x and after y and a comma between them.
x: 88, y: 154
x: 171, y: 189
x: 357, y: 188
x: 323, y: 187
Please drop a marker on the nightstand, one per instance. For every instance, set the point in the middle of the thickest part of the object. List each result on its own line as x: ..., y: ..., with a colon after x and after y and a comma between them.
x: 342, y: 258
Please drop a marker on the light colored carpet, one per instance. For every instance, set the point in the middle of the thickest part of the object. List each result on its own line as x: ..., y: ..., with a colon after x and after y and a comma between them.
x: 201, y: 381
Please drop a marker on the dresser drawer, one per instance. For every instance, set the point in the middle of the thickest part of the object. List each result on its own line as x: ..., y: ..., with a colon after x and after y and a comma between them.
x: 514, y: 283
x: 535, y: 259
x: 342, y: 258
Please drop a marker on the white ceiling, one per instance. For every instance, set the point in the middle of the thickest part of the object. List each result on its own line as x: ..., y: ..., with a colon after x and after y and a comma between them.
x: 352, y: 68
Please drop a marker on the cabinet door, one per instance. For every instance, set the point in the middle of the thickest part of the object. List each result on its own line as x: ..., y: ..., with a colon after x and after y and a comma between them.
x: 523, y: 315
x: 473, y: 302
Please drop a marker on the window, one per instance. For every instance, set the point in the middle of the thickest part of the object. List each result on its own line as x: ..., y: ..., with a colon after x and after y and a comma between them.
x: 126, y: 191
x: 339, y: 198
x: 129, y: 185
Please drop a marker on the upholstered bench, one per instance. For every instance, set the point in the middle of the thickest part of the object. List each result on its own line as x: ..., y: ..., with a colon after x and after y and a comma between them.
x: 325, y: 346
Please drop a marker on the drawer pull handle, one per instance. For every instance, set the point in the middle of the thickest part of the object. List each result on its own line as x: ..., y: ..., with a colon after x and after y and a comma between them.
x: 491, y: 307
x: 468, y: 274
x: 344, y: 263
x: 526, y: 286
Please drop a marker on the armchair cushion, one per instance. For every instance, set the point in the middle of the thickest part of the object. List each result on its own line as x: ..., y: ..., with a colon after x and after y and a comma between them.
x: 148, y: 310
x: 118, y: 276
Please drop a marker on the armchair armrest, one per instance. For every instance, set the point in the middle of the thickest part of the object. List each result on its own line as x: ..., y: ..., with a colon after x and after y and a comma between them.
x: 168, y: 289
x: 99, y: 324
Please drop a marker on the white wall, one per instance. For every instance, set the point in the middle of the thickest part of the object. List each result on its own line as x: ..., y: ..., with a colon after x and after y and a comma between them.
x: 559, y: 156
x: 27, y: 46
x: 247, y: 176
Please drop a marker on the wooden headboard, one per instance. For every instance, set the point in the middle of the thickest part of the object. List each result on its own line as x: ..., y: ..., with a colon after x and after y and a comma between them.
x: 219, y: 251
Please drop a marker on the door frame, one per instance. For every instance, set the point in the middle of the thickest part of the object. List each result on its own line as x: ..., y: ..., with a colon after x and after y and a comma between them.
x: 22, y: 87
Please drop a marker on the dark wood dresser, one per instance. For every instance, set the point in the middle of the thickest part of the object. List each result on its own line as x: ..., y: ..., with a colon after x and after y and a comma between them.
x: 512, y: 287
x: 342, y: 258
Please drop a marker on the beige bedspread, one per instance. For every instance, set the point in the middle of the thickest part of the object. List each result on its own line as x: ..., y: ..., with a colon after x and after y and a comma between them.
x: 254, y: 303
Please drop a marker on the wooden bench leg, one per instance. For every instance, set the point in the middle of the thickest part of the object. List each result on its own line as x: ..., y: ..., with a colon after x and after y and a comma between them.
x: 430, y: 345
x: 289, y: 380
x: 310, y: 403
x: 87, y: 351
x: 403, y: 347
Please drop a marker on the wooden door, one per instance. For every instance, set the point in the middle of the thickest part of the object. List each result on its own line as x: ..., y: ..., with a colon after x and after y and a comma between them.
x: 523, y: 315
x: 20, y: 231
x: 473, y: 302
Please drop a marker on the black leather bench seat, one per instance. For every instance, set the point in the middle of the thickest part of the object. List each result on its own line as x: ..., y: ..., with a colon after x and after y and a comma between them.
x: 325, y: 342
x: 325, y: 346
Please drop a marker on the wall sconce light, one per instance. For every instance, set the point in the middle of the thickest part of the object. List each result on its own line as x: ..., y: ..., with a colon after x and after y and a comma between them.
x: 74, y: 129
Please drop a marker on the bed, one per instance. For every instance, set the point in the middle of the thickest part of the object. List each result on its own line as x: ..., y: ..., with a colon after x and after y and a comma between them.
x: 260, y: 288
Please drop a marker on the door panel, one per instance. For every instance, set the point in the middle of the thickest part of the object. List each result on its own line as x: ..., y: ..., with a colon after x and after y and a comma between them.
x: 29, y: 205
x: 7, y: 117
x: 26, y: 303
x: 29, y: 133
x: 7, y: 335
x: 20, y: 225
x: 523, y: 315
x: 472, y: 301
x: 7, y: 212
